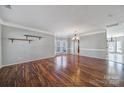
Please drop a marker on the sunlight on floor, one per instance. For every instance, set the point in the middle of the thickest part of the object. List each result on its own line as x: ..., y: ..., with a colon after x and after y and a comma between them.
x: 61, y: 62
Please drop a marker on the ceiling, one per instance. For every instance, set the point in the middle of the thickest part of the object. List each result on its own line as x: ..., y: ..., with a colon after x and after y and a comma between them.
x: 63, y: 20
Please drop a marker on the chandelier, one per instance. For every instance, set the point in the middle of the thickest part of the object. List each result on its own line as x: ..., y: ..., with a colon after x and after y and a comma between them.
x: 76, y: 36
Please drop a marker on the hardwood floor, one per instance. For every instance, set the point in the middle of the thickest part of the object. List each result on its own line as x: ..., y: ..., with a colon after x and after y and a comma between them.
x: 64, y: 70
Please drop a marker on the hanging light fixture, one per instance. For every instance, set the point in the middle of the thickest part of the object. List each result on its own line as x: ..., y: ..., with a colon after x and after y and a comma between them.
x: 76, y: 36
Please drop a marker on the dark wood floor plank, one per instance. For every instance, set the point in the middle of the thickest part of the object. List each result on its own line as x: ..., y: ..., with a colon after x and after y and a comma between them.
x: 63, y: 71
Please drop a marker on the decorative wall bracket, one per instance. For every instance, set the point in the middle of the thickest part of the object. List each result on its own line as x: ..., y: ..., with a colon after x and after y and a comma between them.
x: 39, y: 37
x: 12, y: 39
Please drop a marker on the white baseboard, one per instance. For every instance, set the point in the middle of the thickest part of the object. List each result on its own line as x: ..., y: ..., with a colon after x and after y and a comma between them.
x: 27, y: 61
x: 90, y: 56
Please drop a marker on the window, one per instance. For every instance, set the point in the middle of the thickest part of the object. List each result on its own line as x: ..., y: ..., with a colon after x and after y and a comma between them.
x: 61, y: 46
x: 115, y: 46
x: 119, y: 46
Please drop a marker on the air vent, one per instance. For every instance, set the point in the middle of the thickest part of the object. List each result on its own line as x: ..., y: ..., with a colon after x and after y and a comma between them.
x: 112, y: 25
x: 8, y: 6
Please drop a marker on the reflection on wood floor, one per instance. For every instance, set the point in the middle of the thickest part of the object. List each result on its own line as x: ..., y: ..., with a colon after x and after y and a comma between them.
x: 116, y: 57
x: 64, y: 70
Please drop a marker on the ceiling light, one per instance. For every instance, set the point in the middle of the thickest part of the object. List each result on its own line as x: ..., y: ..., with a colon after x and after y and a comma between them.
x: 76, y: 36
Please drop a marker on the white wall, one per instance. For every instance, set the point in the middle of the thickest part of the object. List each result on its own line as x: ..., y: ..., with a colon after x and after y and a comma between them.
x: 0, y: 47
x: 93, y: 45
x: 22, y: 51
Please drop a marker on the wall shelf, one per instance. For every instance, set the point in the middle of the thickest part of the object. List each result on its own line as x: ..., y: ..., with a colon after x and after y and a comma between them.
x: 19, y: 39
x: 39, y: 37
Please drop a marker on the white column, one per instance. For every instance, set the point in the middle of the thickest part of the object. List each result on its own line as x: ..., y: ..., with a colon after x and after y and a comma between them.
x: 0, y: 47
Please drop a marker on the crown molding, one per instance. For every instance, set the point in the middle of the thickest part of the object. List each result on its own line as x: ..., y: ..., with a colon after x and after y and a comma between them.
x: 92, y: 33
x: 45, y: 32
x: 4, y: 23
